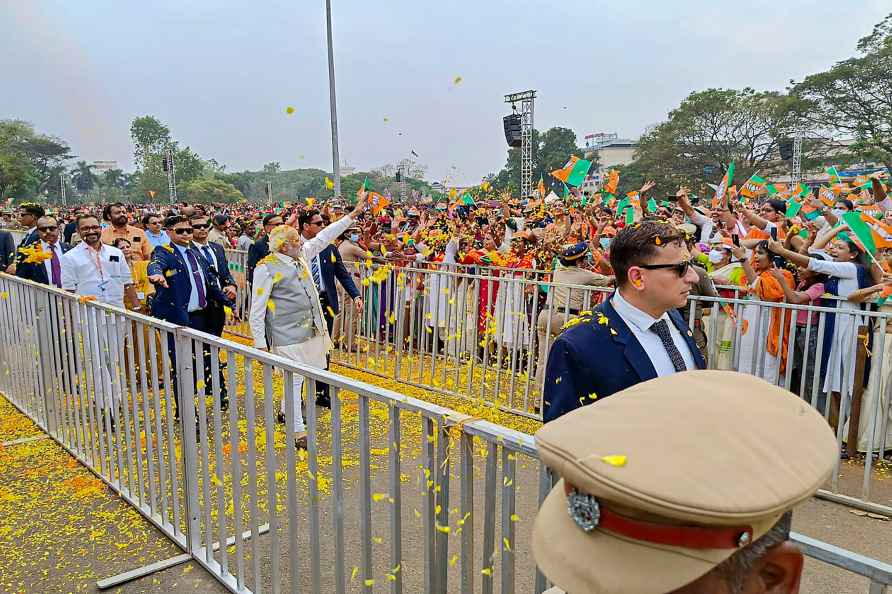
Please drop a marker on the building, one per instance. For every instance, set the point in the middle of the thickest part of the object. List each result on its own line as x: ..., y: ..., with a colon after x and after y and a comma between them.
x: 100, y: 167
x: 610, y: 151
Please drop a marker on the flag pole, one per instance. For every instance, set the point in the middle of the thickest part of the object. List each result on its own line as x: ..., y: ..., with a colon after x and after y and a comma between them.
x: 336, y: 161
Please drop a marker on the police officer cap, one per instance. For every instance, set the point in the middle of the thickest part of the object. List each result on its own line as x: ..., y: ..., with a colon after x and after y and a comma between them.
x: 575, y: 251
x: 665, y: 480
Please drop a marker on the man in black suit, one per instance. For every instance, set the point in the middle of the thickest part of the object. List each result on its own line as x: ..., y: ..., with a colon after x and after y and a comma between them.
x: 7, y: 250
x: 325, y: 267
x: 260, y: 248
x: 28, y: 215
x: 215, y: 256
x: 48, y: 272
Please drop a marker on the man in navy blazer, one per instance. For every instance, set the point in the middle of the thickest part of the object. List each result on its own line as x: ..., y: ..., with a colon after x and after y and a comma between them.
x: 28, y: 215
x: 186, y: 292
x: 634, y: 336
x: 325, y: 268
x: 48, y: 272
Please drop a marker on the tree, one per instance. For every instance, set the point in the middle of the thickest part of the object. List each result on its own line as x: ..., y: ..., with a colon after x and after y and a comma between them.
x: 114, y: 178
x: 711, y: 129
x: 208, y: 189
x: 854, y: 97
x: 82, y: 177
x: 150, y: 138
x: 28, y: 160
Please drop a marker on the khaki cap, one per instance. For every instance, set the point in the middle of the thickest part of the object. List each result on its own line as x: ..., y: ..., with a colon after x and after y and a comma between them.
x: 712, y: 452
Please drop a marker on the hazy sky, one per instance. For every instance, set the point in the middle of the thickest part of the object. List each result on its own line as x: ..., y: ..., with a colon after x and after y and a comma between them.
x: 220, y: 74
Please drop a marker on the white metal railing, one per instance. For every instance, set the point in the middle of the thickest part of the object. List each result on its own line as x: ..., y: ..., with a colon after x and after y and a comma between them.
x: 391, y: 493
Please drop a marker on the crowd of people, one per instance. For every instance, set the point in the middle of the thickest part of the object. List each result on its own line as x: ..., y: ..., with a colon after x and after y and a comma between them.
x: 790, y: 245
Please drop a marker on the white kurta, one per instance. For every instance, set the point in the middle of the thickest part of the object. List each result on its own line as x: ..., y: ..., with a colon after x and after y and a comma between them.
x: 875, y: 400
x: 840, y: 376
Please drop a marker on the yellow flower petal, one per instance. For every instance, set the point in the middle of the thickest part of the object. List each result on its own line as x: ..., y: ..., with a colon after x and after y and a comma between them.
x: 614, y: 460
x: 289, y: 110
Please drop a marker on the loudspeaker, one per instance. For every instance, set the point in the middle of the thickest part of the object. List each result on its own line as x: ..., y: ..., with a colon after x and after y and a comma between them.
x: 512, y: 129
x: 785, y: 148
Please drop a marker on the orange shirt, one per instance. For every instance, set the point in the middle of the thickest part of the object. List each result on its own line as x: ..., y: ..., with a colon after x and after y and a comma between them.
x: 139, y: 243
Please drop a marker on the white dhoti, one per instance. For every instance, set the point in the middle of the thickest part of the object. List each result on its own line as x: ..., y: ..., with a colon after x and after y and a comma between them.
x: 311, y: 352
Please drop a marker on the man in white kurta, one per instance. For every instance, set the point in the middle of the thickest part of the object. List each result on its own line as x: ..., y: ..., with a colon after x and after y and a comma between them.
x: 286, y: 317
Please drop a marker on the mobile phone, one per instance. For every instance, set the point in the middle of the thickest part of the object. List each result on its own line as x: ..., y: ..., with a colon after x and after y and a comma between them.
x: 671, y: 198
x: 736, y: 239
x: 773, y: 232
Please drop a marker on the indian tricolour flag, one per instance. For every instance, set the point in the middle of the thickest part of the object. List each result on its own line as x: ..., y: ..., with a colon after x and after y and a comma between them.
x: 574, y: 172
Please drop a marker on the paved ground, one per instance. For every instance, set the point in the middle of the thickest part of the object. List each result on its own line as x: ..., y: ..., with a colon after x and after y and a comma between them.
x: 61, y: 529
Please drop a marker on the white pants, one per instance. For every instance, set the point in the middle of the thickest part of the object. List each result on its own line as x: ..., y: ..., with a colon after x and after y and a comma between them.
x: 311, y: 352
x: 103, y: 355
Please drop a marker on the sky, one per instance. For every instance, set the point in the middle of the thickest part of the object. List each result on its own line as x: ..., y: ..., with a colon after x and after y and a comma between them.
x: 221, y: 74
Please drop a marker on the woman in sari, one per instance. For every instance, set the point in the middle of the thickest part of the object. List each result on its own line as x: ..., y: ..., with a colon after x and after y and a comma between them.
x: 762, y: 351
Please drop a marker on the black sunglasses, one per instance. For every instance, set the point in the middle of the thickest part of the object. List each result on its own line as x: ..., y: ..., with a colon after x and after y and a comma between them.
x: 200, y: 226
x: 680, y: 268
x: 183, y: 230
x: 317, y: 223
x: 51, y: 228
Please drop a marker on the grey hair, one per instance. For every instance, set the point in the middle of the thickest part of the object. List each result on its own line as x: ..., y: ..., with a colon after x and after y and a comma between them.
x: 736, y: 568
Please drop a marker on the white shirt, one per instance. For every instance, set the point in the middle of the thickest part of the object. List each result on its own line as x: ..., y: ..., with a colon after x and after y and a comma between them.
x: 208, y: 252
x: 48, y: 263
x: 639, y: 322
x: 193, y: 305
x: 101, y: 274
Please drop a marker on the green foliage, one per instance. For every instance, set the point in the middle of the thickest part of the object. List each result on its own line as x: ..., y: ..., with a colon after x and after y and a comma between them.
x: 29, y: 160
x: 852, y: 98
x: 210, y: 190
x: 150, y: 137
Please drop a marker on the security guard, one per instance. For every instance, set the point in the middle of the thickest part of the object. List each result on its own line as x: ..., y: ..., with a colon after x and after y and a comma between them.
x: 682, y: 485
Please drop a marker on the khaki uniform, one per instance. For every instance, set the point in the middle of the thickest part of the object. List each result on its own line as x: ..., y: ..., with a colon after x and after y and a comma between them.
x: 670, y: 477
x: 550, y: 323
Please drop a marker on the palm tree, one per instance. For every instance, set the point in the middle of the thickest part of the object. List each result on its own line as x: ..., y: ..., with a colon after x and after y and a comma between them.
x: 82, y: 177
x: 114, y: 178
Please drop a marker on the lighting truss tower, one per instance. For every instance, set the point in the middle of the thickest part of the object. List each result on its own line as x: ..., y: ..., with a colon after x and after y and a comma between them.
x: 404, y: 185
x: 62, y: 189
x: 526, y: 99
x: 796, y: 175
x: 171, y: 175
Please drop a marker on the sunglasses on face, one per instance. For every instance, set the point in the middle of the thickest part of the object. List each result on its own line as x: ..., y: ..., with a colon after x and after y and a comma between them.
x: 183, y: 231
x: 680, y: 268
x: 50, y: 228
x: 201, y: 226
x: 317, y: 223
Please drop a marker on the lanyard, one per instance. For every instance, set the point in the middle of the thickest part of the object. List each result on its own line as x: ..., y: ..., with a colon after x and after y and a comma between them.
x: 97, y: 262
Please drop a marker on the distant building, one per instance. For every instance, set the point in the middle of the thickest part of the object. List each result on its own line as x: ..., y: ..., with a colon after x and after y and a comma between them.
x: 610, y: 151
x: 103, y: 166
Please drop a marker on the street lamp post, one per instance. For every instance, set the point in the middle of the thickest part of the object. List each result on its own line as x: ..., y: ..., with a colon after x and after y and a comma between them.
x: 336, y: 162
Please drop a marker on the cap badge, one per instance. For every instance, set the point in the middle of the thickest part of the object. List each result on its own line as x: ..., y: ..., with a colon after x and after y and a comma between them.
x: 584, y: 510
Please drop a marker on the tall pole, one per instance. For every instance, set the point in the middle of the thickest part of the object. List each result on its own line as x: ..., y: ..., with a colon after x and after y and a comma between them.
x: 336, y: 161
x: 62, y: 189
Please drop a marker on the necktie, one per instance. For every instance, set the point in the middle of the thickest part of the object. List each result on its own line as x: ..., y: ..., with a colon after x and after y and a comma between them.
x: 210, y: 257
x: 661, y: 329
x: 317, y: 276
x: 196, y: 275
x: 56, y: 268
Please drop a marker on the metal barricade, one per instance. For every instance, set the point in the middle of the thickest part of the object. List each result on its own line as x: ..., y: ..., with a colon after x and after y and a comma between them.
x: 392, y: 493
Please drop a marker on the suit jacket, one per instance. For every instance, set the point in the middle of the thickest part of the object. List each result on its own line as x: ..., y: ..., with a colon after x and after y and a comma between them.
x: 35, y: 272
x: 7, y: 250
x: 69, y: 230
x: 171, y: 303
x: 329, y: 270
x: 222, y: 271
x: 29, y: 238
x: 257, y: 252
x: 600, y: 359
